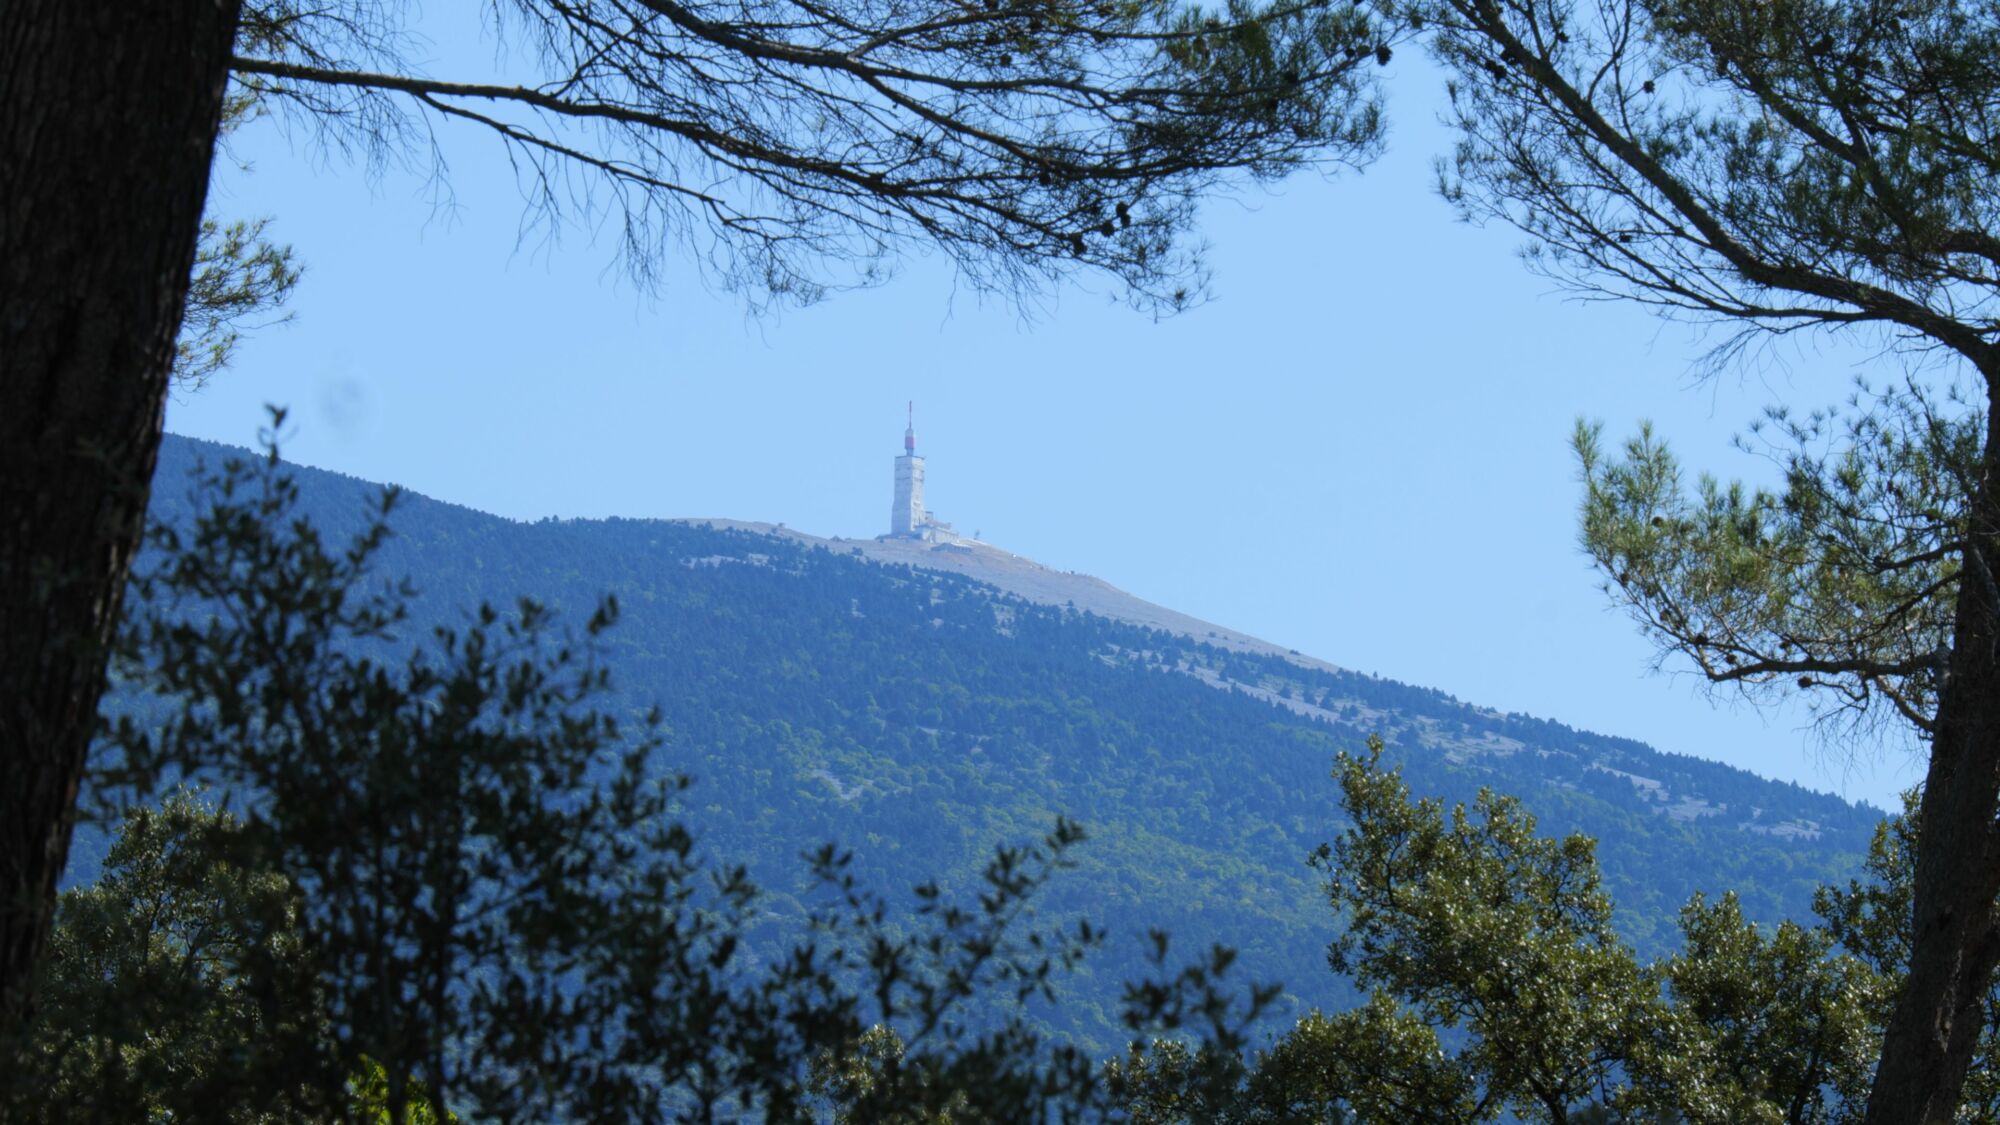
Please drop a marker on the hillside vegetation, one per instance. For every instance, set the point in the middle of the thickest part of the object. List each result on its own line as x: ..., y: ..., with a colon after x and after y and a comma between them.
x: 920, y: 718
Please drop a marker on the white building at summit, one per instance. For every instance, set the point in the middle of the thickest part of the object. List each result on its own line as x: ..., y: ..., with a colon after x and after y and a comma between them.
x: 907, y: 518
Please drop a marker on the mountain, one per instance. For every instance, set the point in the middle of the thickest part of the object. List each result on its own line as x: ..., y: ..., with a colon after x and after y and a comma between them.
x: 921, y: 704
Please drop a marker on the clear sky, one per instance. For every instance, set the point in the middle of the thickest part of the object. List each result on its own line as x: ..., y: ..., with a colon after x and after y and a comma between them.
x: 1358, y: 450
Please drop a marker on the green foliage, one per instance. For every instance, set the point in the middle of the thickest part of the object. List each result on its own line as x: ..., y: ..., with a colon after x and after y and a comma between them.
x: 239, y: 277
x: 1842, y: 582
x: 239, y: 281
x: 1371, y: 1063
x: 856, y: 1075
x: 1472, y: 921
x: 371, y: 1102
x: 176, y: 988
x: 1499, y: 990
x: 1375, y: 1062
x: 1763, y: 1026
x: 180, y: 987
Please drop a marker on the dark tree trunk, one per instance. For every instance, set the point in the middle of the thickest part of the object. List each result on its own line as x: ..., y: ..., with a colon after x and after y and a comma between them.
x: 108, y: 117
x: 1955, y: 933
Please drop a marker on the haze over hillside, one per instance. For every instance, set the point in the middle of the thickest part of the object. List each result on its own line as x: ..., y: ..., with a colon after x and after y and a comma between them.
x: 922, y: 702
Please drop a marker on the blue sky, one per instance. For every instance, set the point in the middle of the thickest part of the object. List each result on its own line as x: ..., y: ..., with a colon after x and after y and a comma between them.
x: 1358, y: 449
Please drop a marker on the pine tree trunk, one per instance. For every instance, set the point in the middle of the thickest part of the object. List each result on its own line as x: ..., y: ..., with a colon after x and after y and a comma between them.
x: 108, y: 118
x: 1956, y: 936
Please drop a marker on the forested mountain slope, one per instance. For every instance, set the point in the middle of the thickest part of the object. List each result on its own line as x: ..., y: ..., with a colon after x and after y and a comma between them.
x: 920, y: 717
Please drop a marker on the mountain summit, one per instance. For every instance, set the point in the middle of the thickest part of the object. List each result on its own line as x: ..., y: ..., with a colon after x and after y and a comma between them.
x: 1023, y: 578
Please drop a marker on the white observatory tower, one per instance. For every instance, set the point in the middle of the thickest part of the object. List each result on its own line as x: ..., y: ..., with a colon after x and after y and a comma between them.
x: 907, y: 518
